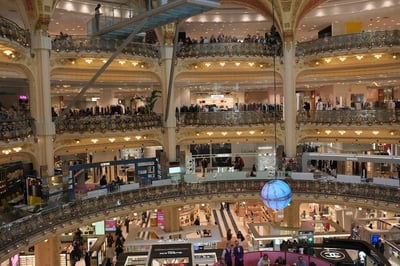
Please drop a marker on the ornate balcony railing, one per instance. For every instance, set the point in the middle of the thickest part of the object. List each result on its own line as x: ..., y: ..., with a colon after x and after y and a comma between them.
x: 362, y: 40
x: 14, y: 129
x: 233, y: 49
x: 354, y: 117
x: 20, y: 128
x: 19, y: 233
x: 228, y: 118
x: 98, y: 44
x: 13, y: 32
x: 108, y: 123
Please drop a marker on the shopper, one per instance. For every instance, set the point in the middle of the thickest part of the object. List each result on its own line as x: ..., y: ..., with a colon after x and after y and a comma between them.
x: 109, y: 255
x: 97, y: 14
x: 240, y: 237
x: 238, y: 253
x: 280, y: 261
x: 229, y: 236
x: 300, y: 261
x: 227, y: 254
x: 264, y: 260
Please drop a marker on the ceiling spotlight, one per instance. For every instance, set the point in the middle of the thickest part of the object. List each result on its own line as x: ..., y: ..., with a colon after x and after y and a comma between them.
x: 239, y: 133
x: 358, y: 132
x: 224, y: 133
x: 342, y: 58
x: 127, y: 138
x: 237, y: 64
x: 134, y: 63
x: 89, y: 61
x: 8, y: 52
x: 17, y: 149
x: 111, y: 139
x: 222, y: 64
x: 6, y: 151
x: 359, y: 57
x: 95, y: 141
x: 207, y: 64
x: 138, y: 137
x: 210, y: 133
x: 378, y: 56
x: 375, y: 132
x: 328, y: 131
x: 341, y: 132
x: 328, y: 60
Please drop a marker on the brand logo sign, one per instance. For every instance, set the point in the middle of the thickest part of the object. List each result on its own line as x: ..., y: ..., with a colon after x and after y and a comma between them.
x: 332, y: 255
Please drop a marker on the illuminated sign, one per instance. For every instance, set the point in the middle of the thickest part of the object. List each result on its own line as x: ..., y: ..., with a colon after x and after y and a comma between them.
x: 332, y: 254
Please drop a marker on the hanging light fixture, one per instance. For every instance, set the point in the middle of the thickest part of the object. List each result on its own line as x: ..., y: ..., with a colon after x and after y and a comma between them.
x: 276, y: 194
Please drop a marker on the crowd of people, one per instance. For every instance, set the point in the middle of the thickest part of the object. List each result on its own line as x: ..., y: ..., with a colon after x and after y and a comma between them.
x: 238, y: 107
x: 269, y: 38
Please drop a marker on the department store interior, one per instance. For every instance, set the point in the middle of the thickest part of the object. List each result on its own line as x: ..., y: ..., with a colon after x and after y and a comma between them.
x: 142, y: 132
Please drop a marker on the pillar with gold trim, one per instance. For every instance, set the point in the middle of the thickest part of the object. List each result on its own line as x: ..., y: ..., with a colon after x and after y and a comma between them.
x: 47, y: 252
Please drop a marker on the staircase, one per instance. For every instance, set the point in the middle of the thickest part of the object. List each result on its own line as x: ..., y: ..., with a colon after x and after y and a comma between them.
x: 171, y: 11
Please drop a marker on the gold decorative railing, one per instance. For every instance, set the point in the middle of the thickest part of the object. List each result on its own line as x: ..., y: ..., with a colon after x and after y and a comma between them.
x: 102, y: 123
x: 362, y: 40
x: 18, y: 234
x: 99, y: 44
x: 347, y: 117
x: 227, y: 118
x: 18, y: 128
x: 233, y: 49
x: 13, y: 32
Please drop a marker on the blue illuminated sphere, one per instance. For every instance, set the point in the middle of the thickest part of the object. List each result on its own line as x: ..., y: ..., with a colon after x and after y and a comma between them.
x: 276, y: 194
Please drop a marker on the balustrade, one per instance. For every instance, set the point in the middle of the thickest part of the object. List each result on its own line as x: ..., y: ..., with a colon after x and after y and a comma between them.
x: 19, y: 232
x: 98, y: 44
x: 102, y: 123
x: 13, y: 32
x: 14, y: 129
x: 362, y: 40
x: 20, y: 128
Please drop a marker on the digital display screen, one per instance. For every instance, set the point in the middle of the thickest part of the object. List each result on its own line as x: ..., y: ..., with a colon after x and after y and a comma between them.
x: 110, y: 225
x: 374, y: 239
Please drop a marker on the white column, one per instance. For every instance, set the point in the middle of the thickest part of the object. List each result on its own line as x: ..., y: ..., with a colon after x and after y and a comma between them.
x: 41, y: 102
x: 170, y: 124
x: 289, y: 92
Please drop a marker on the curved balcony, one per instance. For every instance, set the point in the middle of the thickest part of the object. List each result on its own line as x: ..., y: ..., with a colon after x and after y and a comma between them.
x: 362, y: 40
x: 19, y: 128
x: 86, y: 44
x: 13, y: 32
x: 108, y: 123
x: 15, y: 129
x: 228, y: 118
x: 350, y: 117
x: 234, y: 49
x: 34, y: 228
x: 340, y: 117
